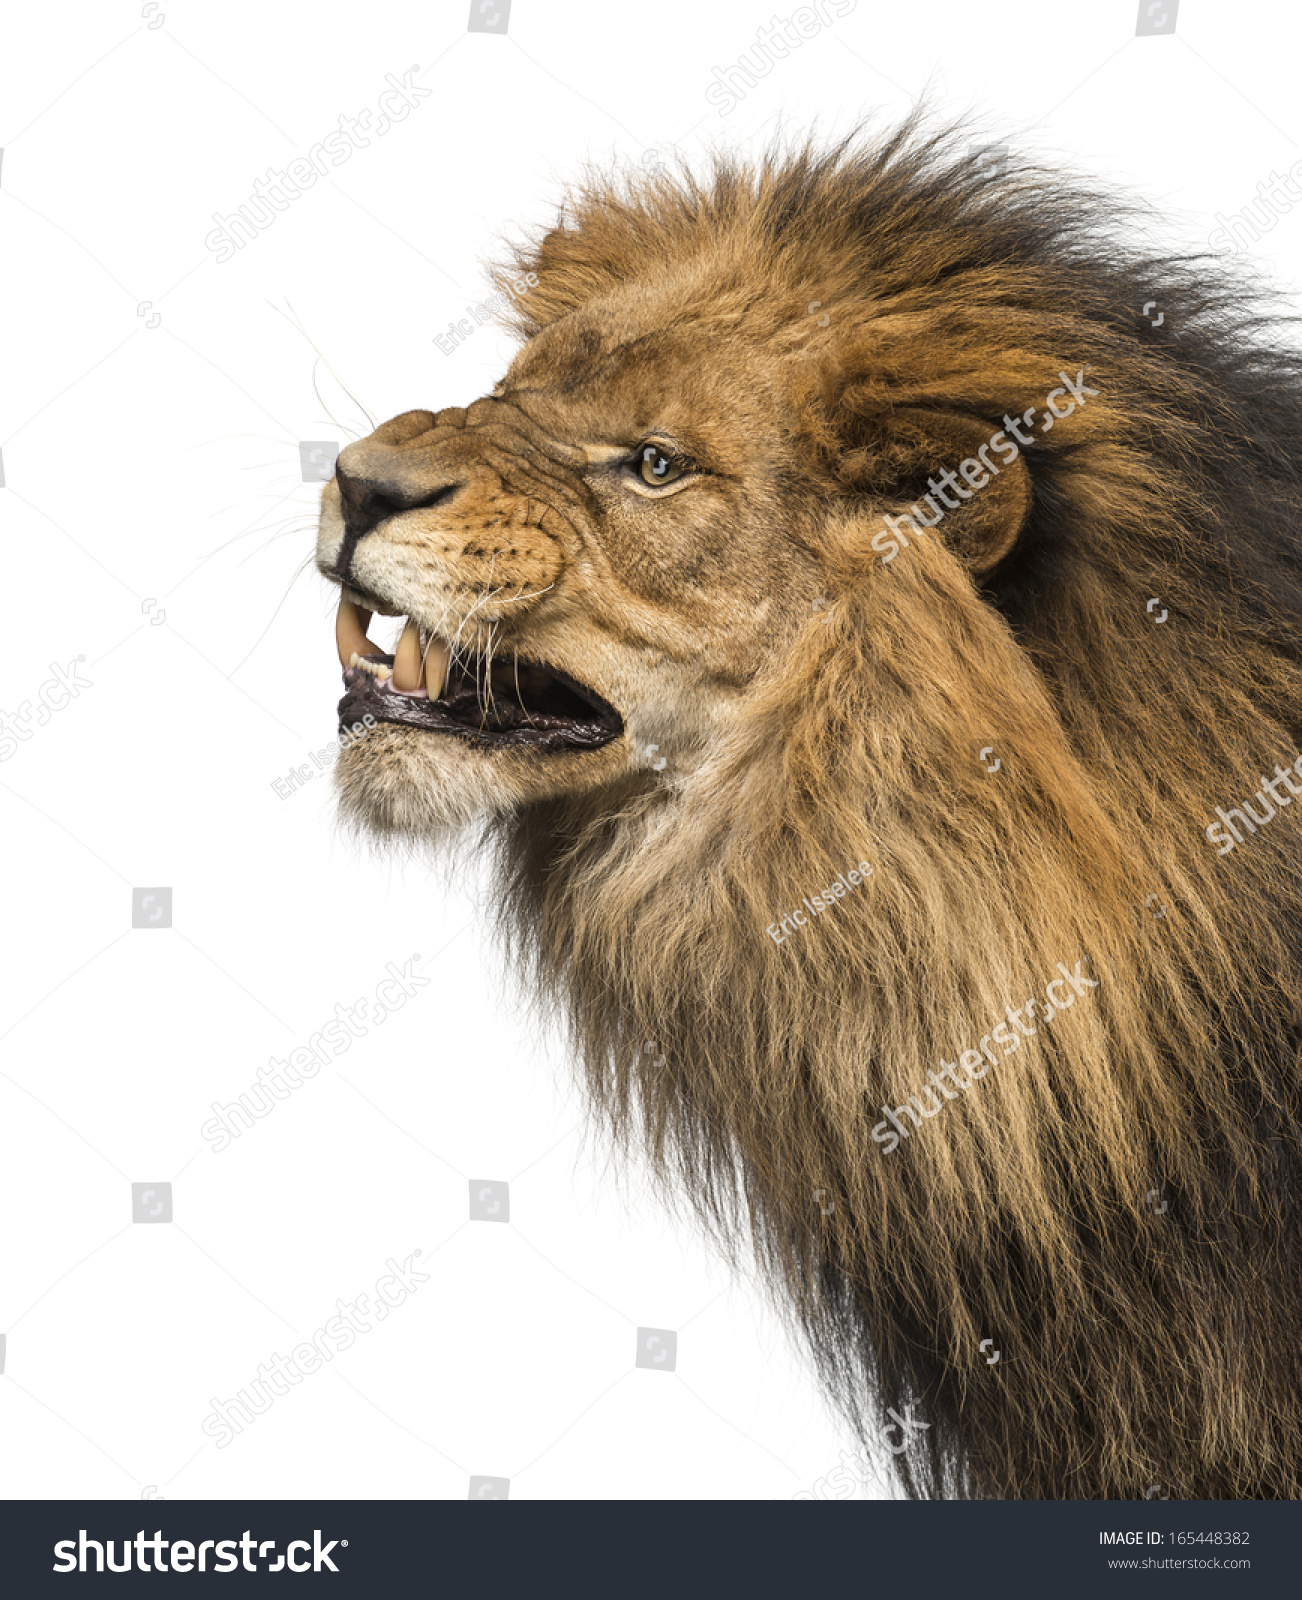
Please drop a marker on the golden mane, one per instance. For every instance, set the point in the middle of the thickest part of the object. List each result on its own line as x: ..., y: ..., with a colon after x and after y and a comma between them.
x: 1116, y: 1203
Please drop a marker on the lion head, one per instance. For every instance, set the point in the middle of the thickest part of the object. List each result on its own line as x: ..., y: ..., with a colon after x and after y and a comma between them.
x: 848, y: 619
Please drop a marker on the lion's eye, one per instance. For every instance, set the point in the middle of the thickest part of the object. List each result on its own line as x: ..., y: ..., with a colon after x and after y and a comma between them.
x: 657, y: 467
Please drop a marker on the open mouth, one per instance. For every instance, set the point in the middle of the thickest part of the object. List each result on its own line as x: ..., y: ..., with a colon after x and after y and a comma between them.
x: 505, y: 702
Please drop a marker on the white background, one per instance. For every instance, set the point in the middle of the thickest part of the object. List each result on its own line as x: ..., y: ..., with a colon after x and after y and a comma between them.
x: 160, y: 464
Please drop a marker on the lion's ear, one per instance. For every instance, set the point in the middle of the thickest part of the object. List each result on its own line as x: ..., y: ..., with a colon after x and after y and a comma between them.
x: 944, y: 470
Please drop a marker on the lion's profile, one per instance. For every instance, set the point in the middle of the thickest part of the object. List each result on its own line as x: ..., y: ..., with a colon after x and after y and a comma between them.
x: 682, y: 643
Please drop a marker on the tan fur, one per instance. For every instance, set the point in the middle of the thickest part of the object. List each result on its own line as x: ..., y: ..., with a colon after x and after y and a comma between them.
x: 817, y: 706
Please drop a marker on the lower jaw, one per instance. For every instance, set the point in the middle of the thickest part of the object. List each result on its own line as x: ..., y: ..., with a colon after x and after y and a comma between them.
x: 396, y: 787
x: 366, y: 696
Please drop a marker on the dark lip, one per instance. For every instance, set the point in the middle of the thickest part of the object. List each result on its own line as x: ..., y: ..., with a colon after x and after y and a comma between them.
x: 572, y: 716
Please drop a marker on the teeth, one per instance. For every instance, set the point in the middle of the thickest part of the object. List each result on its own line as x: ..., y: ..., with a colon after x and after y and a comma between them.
x: 418, y: 661
x: 375, y: 668
x: 408, y: 668
x: 350, y: 632
x: 436, y: 666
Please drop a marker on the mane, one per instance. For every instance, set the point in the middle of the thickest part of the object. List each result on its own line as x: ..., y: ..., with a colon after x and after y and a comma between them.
x: 1142, y: 1341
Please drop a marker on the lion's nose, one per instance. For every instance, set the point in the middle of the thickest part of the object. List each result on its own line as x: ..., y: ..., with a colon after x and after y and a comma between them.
x: 373, y: 489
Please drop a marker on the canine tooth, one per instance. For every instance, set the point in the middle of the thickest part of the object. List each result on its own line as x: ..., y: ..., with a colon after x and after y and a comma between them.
x: 437, y: 668
x: 408, y: 668
x: 350, y: 632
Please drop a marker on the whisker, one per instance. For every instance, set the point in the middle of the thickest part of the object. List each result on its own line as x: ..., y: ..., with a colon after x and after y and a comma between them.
x: 295, y: 322
x: 511, y: 600
x: 244, y: 533
x: 515, y: 661
x: 268, y: 494
x: 303, y: 565
x: 221, y: 438
x: 280, y: 533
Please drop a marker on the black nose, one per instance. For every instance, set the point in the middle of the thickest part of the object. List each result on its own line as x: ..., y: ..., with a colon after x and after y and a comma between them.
x: 369, y: 499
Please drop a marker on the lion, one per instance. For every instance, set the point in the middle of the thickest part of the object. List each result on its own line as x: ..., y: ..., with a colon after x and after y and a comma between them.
x: 851, y: 625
